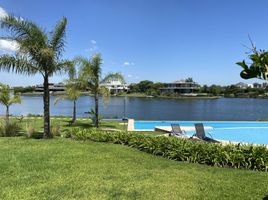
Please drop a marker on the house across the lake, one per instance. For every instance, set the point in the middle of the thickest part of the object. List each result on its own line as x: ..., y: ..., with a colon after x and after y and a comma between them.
x: 52, y: 87
x: 115, y: 86
x: 180, y: 87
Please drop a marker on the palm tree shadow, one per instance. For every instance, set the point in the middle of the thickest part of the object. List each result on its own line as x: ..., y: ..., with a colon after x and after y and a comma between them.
x: 265, y: 198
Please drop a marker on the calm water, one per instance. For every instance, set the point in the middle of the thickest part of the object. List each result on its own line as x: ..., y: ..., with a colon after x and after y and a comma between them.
x: 154, y: 108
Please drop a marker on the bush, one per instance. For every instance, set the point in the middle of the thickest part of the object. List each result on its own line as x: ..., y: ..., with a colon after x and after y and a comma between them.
x: 10, y: 129
x: 30, y: 129
x: 55, y: 130
x: 254, y: 157
x: 31, y: 132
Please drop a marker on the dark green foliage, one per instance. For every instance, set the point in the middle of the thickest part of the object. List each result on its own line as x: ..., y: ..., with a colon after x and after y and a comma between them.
x: 147, y: 87
x: 234, y: 156
x: 258, y: 68
x: 36, y: 135
x: 24, y: 89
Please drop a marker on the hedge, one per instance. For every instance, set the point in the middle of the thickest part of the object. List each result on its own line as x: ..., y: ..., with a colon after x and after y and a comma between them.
x: 242, y: 156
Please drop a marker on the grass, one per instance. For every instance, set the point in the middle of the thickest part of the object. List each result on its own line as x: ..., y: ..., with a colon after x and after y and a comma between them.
x: 67, y: 169
x: 63, y: 122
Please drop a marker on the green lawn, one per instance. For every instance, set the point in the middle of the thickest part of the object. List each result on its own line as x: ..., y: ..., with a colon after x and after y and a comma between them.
x: 67, y: 169
x: 64, y: 124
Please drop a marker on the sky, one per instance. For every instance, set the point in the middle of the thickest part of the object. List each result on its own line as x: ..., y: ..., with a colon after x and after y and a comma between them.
x: 158, y: 40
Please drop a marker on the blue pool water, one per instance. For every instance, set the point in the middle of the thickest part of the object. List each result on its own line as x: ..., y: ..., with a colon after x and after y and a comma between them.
x: 248, y: 132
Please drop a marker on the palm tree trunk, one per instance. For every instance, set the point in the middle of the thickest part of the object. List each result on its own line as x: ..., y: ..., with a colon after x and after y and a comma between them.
x: 97, y: 110
x: 7, y: 114
x: 74, y: 113
x: 46, y: 99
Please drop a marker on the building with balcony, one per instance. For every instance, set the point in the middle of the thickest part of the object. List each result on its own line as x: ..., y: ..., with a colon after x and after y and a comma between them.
x: 52, y: 87
x: 181, y: 87
x: 115, y: 86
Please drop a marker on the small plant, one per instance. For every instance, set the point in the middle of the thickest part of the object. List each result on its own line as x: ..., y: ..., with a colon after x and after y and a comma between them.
x: 92, y: 116
x: 55, y: 130
x: 10, y: 129
x: 30, y: 130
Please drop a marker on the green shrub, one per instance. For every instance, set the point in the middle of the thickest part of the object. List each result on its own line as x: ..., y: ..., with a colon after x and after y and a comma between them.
x: 254, y: 157
x: 10, y: 129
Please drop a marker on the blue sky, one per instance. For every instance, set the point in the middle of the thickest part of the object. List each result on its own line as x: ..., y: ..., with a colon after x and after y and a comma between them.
x: 159, y: 40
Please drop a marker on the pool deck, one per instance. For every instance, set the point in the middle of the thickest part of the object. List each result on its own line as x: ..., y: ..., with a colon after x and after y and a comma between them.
x: 168, y: 129
x: 130, y: 125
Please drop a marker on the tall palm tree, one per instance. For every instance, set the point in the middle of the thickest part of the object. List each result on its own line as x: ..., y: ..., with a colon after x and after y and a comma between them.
x: 91, y: 76
x: 73, y: 91
x: 7, y: 99
x: 38, y: 52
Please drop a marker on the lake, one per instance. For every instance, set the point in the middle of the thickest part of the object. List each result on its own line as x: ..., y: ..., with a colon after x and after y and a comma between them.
x: 153, y: 108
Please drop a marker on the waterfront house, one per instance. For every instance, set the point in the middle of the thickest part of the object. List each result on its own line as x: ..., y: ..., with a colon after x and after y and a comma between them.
x: 59, y: 87
x: 257, y: 85
x: 115, y: 86
x: 242, y: 85
x: 180, y: 87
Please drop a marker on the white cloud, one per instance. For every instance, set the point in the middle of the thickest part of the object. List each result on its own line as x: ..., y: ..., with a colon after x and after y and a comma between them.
x: 129, y: 63
x: 8, y: 46
x: 129, y: 76
x: 3, y: 13
x: 93, y: 46
x: 93, y: 42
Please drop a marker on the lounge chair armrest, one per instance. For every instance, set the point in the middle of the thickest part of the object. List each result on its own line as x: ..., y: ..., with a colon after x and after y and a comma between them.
x: 210, y: 134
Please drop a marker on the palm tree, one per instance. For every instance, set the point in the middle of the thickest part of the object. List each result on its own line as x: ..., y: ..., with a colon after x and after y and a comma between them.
x: 73, y: 91
x: 90, y: 75
x: 38, y: 52
x: 7, y: 99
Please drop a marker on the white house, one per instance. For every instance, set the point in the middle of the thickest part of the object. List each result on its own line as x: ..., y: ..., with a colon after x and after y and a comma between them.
x: 115, y: 86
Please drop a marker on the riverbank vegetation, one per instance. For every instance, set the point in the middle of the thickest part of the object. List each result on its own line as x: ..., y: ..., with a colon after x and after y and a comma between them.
x: 150, y: 89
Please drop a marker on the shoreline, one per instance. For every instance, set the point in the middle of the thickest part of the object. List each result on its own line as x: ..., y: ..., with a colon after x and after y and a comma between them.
x: 127, y: 95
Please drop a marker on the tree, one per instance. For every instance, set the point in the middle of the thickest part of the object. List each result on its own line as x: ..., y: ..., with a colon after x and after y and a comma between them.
x: 7, y: 99
x: 38, y: 52
x: 73, y: 91
x: 91, y: 77
x: 145, y: 86
x: 258, y: 67
x: 189, y: 79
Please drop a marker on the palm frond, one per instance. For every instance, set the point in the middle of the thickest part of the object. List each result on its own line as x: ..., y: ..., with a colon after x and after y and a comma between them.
x: 96, y: 62
x: 62, y: 67
x: 17, y: 64
x: 112, y: 76
x: 24, y: 30
x: 57, y: 37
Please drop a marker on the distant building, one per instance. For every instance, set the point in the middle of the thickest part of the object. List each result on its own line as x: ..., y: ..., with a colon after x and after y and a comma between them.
x: 242, y: 85
x: 180, y: 87
x: 115, y: 86
x: 257, y: 85
x: 264, y: 85
x: 250, y: 85
x: 52, y: 87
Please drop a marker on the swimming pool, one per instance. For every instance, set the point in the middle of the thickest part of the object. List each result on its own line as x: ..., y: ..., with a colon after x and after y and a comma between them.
x: 237, y: 131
